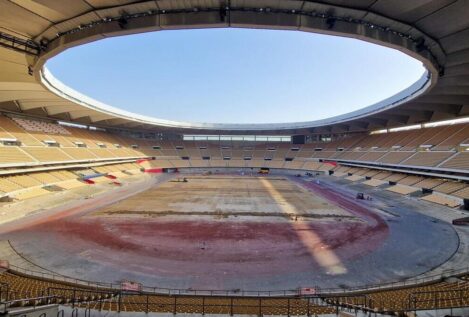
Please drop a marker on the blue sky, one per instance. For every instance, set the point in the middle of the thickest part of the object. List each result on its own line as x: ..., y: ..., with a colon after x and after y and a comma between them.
x: 235, y: 75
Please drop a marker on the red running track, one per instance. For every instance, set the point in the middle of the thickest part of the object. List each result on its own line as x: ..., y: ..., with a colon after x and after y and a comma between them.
x: 216, y: 254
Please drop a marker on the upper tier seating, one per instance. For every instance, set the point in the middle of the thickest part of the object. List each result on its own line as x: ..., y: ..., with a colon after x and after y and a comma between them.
x: 41, y: 126
x: 459, y: 161
x: 49, y: 143
x: 10, y: 130
x: 427, y: 158
x: 43, y: 142
x: 13, y: 156
x: 48, y: 154
x: 395, y: 157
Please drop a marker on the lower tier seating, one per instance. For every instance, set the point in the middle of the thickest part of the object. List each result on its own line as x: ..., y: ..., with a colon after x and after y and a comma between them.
x: 402, y: 189
x: 441, y: 191
x: 439, y: 294
x: 442, y: 200
x: 28, y: 185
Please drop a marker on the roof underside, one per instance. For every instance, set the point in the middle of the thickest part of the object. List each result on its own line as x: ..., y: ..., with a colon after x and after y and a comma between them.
x: 436, y: 32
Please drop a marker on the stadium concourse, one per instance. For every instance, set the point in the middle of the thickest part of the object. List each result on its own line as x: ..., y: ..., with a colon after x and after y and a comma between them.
x: 103, y: 211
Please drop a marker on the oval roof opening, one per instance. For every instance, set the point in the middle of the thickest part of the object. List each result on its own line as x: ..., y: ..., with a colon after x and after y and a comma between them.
x: 236, y: 75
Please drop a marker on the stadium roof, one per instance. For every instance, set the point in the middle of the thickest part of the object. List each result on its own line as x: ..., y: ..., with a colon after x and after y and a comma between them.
x: 435, y: 32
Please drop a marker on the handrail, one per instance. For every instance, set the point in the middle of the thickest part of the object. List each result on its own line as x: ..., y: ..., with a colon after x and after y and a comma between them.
x: 258, y: 293
x: 307, y: 305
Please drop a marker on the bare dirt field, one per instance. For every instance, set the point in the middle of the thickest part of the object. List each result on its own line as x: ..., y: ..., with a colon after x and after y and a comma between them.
x: 225, y: 196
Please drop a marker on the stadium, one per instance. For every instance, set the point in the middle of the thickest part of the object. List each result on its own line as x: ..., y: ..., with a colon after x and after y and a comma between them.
x: 105, y: 211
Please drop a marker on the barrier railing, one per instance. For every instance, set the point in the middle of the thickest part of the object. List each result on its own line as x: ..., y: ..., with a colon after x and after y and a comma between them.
x: 243, y: 293
x: 312, y: 305
x: 33, y: 301
x: 138, y: 302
